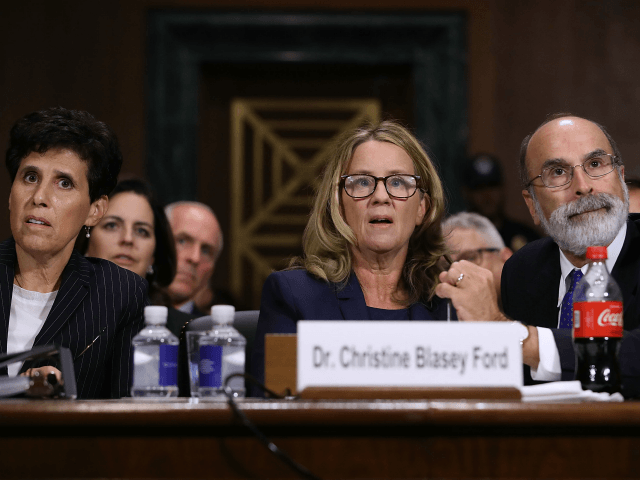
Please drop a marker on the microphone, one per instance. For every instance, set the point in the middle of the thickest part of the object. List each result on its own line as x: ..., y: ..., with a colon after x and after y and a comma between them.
x: 11, y: 386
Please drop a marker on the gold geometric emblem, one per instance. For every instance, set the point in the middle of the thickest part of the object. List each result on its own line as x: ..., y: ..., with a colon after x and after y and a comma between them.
x: 279, y: 149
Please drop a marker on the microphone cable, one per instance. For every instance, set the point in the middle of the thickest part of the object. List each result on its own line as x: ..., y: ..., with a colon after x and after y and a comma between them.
x: 272, y: 447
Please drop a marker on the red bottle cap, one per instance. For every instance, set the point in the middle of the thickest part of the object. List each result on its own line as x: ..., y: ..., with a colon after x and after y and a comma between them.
x: 597, y: 253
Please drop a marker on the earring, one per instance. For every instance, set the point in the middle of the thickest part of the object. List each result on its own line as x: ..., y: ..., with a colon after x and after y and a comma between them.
x: 88, y: 229
x: 150, y: 270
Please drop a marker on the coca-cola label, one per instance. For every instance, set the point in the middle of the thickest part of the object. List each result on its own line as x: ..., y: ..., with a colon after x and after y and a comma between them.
x: 597, y: 319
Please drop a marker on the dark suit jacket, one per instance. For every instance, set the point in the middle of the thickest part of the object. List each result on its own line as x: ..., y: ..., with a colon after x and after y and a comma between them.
x: 176, y: 320
x: 531, y: 278
x: 295, y: 295
x: 94, y: 295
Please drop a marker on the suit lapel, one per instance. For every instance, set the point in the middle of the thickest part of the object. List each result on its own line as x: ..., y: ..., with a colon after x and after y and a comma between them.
x: 7, y: 260
x: 351, y: 300
x: 73, y: 289
x: 625, y: 271
x: 543, y: 298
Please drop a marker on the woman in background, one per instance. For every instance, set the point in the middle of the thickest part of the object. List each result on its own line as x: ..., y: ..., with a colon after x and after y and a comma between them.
x: 135, y: 234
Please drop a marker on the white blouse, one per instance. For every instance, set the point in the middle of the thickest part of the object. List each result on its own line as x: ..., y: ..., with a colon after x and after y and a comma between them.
x: 29, y: 310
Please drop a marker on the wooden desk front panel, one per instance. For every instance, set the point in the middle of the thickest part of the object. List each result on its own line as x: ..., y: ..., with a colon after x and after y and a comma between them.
x: 392, y: 439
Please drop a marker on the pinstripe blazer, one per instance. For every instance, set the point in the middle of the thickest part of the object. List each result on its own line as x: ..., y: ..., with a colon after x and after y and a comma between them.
x: 94, y: 295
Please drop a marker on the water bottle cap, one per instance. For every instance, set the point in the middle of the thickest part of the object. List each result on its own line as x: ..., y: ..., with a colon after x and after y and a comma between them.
x: 597, y: 253
x: 223, y: 314
x: 156, y: 315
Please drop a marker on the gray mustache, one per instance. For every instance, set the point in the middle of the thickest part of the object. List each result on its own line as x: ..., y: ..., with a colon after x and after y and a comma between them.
x: 585, y: 204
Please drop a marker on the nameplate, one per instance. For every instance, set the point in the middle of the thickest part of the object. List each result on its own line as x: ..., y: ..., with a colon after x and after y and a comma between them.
x: 403, y: 354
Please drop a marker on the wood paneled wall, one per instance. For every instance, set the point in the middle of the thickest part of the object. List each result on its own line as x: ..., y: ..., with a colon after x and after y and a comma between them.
x: 525, y: 59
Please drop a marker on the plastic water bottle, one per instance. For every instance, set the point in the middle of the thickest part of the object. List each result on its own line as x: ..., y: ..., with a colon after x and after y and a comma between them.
x: 221, y: 354
x: 155, y: 357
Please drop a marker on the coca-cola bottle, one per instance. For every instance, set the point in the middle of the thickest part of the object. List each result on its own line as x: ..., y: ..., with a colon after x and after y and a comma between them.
x: 597, y: 326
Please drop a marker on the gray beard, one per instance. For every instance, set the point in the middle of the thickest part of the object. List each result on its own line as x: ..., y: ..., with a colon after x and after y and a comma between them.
x: 574, y: 234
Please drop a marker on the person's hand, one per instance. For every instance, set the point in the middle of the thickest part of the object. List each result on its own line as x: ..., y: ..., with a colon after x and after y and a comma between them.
x: 46, y: 380
x: 44, y: 372
x: 472, y: 292
x: 531, y: 348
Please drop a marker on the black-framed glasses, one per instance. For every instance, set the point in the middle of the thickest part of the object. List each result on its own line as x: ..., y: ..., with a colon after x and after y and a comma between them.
x: 561, y: 174
x: 474, y: 256
x: 398, y: 185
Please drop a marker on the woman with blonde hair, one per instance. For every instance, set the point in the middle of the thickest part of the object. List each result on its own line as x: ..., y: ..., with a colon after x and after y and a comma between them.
x: 373, y: 247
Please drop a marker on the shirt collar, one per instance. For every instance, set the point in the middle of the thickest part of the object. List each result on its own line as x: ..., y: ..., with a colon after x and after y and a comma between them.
x: 187, y: 307
x: 613, y: 252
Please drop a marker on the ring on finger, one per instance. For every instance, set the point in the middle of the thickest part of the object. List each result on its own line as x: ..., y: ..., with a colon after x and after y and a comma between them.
x: 459, y: 279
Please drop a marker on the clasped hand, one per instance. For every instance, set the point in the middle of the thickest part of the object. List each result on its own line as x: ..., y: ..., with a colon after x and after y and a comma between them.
x: 472, y: 292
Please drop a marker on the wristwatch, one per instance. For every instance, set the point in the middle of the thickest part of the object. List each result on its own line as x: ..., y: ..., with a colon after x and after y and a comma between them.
x: 523, y: 331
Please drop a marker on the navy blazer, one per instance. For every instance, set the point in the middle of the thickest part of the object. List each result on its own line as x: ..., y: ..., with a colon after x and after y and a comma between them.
x: 96, y: 297
x: 294, y: 295
x: 530, y: 282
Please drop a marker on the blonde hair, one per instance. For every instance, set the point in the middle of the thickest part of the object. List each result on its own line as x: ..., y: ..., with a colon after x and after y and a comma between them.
x: 327, y: 237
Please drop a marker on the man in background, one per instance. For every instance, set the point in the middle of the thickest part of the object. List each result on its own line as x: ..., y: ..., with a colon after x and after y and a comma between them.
x: 483, y: 191
x: 470, y: 236
x: 199, y: 242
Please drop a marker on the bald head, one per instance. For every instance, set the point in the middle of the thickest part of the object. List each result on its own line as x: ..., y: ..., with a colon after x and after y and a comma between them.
x: 584, y: 201
x: 169, y: 209
x: 198, y: 239
x: 558, y: 119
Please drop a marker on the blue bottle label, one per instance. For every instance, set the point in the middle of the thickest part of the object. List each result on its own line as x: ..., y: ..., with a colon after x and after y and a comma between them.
x: 168, y: 365
x: 210, y: 366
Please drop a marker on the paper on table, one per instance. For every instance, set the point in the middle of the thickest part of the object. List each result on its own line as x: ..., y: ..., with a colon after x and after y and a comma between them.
x: 565, y: 391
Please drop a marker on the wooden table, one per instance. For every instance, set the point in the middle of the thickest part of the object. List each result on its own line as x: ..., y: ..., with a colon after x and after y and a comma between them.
x: 334, y: 439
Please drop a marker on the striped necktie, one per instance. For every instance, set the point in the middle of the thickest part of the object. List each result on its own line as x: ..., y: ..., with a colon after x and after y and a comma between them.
x: 566, y: 312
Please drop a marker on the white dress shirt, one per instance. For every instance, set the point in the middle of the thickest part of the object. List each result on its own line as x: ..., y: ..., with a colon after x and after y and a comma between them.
x: 549, y: 367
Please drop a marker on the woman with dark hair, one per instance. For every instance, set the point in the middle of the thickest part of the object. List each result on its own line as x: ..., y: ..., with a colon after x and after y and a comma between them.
x: 63, y: 164
x: 373, y: 246
x: 135, y: 234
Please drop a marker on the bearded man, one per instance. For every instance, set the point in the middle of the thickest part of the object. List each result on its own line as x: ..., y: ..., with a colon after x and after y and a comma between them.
x: 573, y: 179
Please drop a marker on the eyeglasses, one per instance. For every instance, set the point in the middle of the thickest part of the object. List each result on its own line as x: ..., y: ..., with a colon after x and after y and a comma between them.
x: 474, y: 256
x: 397, y: 185
x: 560, y: 175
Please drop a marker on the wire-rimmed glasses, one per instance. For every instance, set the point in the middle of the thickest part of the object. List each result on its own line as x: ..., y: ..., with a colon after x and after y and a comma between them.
x: 561, y: 174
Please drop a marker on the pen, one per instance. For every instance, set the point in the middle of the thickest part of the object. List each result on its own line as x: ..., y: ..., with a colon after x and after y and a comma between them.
x: 89, y: 346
